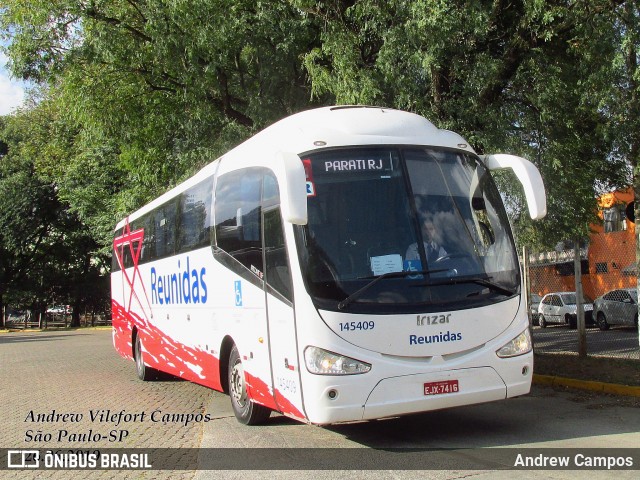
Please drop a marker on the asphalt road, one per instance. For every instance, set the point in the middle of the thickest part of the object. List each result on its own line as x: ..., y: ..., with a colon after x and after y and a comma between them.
x: 80, y: 373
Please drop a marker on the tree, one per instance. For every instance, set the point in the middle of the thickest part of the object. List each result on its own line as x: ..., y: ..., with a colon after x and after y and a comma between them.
x: 47, y: 251
x: 518, y: 76
x: 140, y: 94
x: 626, y: 97
x: 163, y: 88
x: 28, y: 211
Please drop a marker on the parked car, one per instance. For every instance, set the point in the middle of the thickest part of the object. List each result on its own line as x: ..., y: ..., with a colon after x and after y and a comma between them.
x: 534, y: 303
x: 560, y: 307
x: 617, y: 307
x: 59, y: 310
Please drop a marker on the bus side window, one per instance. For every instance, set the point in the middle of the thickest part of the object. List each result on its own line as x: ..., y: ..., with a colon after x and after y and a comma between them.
x: 148, y: 252
x: 238, y: 216
x: 165, y: 229
x: 195, y: 217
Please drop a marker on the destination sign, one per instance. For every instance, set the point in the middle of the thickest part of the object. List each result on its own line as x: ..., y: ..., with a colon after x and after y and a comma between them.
x: 358, y: 165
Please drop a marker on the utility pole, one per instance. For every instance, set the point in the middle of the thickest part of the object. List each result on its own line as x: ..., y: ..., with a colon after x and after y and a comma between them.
x: 582, y: 332
x: 526, y: 284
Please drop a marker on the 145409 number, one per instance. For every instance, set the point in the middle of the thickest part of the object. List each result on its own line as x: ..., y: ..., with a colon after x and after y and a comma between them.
x: 348, y: 326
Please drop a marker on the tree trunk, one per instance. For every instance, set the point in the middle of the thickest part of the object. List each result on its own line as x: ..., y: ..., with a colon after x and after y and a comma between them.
x: 75, y: 317
x: 2, y: 312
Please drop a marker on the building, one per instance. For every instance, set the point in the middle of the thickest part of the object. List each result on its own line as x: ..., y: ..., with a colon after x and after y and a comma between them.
x: 608, y: 259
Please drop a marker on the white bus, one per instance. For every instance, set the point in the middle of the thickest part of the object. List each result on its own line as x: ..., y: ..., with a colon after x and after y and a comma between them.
x: 296, y: 274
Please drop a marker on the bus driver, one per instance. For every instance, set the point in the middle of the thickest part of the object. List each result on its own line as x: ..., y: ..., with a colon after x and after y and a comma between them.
x: 431, y: 238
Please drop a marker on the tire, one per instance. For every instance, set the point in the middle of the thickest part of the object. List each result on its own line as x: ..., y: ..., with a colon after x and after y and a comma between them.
x: 541, y: 321
x: 246, y: 410
x: 144, y: 372
x: 601, y: 320
x: 571, y: 321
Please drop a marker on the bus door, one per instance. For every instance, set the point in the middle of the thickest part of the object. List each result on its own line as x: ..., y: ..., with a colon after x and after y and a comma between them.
x: 280, y: 315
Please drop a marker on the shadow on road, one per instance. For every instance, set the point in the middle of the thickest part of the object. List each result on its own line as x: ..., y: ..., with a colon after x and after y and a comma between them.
x: 507, y: 423
x: 36, y: 337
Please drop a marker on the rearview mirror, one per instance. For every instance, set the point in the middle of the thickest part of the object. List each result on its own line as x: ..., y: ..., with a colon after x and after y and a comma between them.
x: 529, y: 177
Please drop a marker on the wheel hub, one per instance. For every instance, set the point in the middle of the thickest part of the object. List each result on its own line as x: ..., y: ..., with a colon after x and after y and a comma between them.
x: 139, y: 363
x: 238, y: 390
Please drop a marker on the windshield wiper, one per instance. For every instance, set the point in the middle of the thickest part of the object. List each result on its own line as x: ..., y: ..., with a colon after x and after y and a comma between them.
x: 410, y: 273
x: 477, y: 280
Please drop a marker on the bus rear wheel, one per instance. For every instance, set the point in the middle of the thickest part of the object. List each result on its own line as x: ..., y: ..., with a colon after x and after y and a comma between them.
x: 144, y: 372
x: 245, y: 410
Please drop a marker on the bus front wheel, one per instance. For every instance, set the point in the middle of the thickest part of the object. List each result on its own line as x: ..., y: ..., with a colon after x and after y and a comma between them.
x: 245, y: 410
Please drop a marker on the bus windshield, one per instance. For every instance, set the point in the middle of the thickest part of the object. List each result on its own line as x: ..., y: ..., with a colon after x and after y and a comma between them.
x: 404, y: 229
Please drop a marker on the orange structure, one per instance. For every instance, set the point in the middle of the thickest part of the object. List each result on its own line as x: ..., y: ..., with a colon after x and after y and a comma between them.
x: 608, y: 261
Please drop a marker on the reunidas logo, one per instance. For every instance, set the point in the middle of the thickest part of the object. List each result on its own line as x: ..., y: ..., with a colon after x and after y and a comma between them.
x: 442, y: 337
x: 182, y: 287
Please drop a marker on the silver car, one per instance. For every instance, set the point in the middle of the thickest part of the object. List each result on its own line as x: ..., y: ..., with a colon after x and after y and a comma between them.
x: 533, y: 306
x: 560, y: 307
x: 617, y: 307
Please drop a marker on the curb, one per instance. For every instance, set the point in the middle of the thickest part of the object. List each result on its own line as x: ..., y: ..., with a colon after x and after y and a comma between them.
x: 587, y: 385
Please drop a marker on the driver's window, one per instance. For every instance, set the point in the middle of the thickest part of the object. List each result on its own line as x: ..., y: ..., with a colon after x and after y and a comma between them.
x: 482, y: 224
x: 277, y: 272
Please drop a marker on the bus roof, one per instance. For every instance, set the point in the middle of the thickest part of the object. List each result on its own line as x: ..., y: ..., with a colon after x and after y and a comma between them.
x: 356, y: 125
x: 326, y: 127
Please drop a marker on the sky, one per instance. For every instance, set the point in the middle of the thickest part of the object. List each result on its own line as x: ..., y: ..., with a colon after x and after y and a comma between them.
x: 12, y: 92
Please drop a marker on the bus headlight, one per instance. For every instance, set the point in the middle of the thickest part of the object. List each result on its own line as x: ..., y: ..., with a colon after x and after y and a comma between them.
x: 518, y: 346
x: 322, y: 362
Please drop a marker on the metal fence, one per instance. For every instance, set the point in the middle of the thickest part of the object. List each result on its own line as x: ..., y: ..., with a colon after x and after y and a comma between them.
x: 24, y: 320
x: 609, y: 284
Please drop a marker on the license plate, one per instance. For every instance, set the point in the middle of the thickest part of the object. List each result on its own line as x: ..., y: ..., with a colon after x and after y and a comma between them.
x: 440, y: 388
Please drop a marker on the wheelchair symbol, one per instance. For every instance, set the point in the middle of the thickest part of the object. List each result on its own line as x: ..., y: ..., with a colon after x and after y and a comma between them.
x: 238, y: 291
x: 310, y: 190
